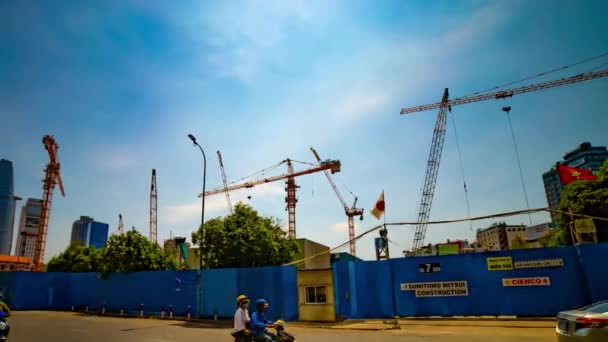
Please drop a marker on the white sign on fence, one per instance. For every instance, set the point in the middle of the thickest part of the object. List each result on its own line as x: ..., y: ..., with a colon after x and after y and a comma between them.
x: 540, y: 263
x: 438, y: 289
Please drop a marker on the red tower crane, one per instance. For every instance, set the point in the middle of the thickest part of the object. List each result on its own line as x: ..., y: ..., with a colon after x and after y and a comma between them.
x: 350, y: 212
x: 52, y: 177
x: 428, y: 189
x: 219, y: 157
x: 332, y: 165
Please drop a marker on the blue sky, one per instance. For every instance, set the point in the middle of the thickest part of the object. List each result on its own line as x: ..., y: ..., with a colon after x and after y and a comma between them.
x: 121, y: 83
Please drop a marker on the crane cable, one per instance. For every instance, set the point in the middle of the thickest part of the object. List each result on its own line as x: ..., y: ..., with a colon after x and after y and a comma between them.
x: 521, y: 174
x: 262, y: 172
x: 537, y: 75
x: 464, y: 182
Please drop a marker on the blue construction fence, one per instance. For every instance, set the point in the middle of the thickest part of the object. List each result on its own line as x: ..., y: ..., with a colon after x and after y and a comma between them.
x: 363, y: 289
x: 388, y: 288
x: 157, y: 291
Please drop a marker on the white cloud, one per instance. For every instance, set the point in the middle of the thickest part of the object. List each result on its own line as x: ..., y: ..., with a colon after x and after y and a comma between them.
x: 239, y: 38
x: 340, y: 227
x: 216, y: 204
x: 115, y: 158
x: 355, y: 106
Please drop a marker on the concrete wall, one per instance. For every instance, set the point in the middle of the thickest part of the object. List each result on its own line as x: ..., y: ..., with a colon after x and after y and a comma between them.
x: 316, y: 311
x: 309, y: 248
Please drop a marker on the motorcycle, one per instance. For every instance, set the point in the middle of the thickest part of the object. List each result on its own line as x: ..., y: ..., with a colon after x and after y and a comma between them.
x: 4, y: 327
x: 281, y: 334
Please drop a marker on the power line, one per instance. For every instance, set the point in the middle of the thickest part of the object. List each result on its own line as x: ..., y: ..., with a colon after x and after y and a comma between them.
x: 478, y: 218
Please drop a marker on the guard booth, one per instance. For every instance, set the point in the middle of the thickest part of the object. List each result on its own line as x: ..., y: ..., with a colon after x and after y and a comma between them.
x: 315, y: 283
x: 316, y: 295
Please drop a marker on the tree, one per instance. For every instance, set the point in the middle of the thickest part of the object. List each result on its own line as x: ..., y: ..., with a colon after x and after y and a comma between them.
x: 131, y: 252
x: 244, y: 239
x: 76, y: 258
x: 581, y: 197
x: 518, y: 243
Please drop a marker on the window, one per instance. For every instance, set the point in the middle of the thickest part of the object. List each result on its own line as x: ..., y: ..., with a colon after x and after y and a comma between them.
x: 316, y: 295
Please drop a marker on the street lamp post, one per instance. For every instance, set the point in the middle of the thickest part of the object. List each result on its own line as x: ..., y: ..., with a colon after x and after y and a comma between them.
x: 200, y: 248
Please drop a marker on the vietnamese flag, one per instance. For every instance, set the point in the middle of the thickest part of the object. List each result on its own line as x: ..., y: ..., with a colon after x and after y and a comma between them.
x: 378, y: 209
x: 570, y: 174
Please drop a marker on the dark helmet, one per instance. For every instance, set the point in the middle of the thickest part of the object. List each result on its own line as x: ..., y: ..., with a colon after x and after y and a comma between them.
x: 261, y: 303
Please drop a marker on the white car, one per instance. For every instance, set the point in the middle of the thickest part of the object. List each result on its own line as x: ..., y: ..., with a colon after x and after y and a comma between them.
x: 587, y: 324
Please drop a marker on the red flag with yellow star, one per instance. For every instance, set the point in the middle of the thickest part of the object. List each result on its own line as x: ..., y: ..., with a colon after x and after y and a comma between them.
x: 569, y: 174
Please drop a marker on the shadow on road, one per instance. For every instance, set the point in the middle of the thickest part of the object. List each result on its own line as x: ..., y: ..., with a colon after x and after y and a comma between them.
x: 205, y: 324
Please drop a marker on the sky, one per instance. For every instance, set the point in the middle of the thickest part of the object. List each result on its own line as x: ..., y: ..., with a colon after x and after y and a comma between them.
x: 120, y: 84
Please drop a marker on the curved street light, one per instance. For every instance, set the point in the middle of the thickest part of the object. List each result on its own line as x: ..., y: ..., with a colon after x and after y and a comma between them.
x: 200, y: 254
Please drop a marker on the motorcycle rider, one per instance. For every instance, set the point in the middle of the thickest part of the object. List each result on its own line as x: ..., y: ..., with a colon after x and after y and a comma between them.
x: 241, y: 319
x: 259, y: 323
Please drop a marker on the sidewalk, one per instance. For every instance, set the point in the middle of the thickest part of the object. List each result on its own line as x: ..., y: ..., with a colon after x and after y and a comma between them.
x: 376, y: 324
x: 404, y: 323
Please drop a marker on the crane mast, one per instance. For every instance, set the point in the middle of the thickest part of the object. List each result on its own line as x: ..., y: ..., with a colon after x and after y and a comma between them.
x: 219, y: 157
x: 52, y: 177
x: 290, y: 186
x: 153, y: 208
x: 291, y: 199
x: 432, y: 169
x: 121, y: 226
x: 350, y: 212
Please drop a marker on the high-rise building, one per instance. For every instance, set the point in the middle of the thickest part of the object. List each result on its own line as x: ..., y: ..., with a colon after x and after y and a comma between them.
x: 88, y: 232
x: 584, y: 156
x: 28, y: 228
x: 7, y: 206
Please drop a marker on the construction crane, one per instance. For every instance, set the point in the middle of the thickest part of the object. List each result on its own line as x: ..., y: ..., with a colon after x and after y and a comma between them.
x: 219, y: 157
x: 121, y: 226
x: 332, y: 165
x: 52, y: 177
x: 503, y: 94
x: 350, y: 212
x: 446, y: 104
x: 153, y: 208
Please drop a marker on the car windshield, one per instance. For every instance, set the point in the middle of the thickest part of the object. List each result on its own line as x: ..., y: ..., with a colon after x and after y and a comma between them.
x: 597, y: 308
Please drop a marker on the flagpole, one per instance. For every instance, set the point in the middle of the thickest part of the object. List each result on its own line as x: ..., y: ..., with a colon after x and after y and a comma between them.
x: 384, y: 196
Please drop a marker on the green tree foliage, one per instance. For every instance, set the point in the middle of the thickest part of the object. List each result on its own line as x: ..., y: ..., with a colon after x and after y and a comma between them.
x: 131, y: 252
x: 583, y: 197
x: 518, y: 243
x: 76, y: 258
x: 244, y: 239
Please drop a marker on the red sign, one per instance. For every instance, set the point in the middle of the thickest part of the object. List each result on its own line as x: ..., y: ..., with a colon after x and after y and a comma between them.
x: 535, y: 281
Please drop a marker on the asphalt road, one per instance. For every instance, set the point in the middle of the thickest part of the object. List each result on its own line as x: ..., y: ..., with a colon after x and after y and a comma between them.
x: 68, y: 327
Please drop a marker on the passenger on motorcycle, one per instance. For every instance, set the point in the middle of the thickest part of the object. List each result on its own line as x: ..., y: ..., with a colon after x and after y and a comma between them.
x: 259, y: 323
x: 241, y: 319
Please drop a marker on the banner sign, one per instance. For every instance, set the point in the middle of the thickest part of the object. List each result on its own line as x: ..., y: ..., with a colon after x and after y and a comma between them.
x: 448, y: 248
x: 429, y: 267
x: 438, y: 289
x: 534, y: 281
x: 540, y: 263
x: 500, y: 263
